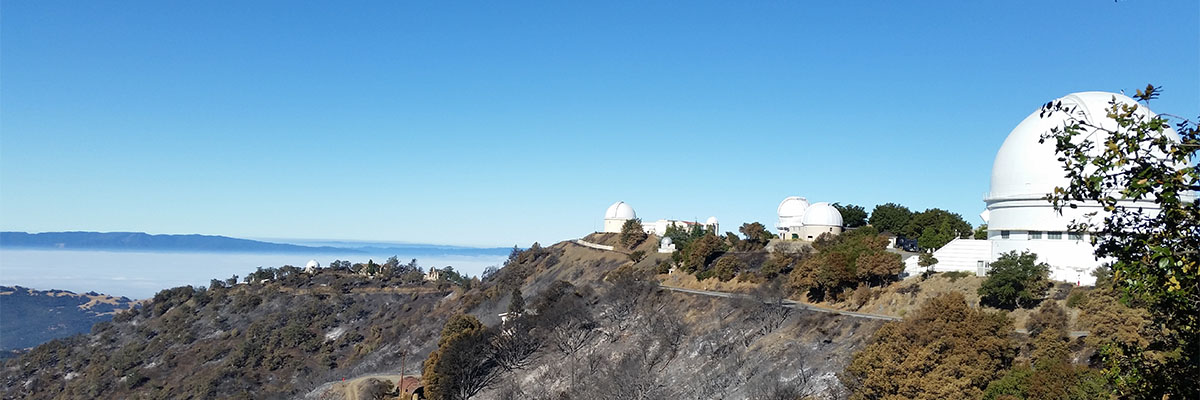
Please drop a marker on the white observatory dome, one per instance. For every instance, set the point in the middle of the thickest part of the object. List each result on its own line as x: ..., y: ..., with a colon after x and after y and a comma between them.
x: 792, y: 207
x: 1025, y: 168
x: 822, y: 214
x: 1018, y: 216
x: 791, y: 212
x: 665, y: 242
x: 620, y: 210
x: 312, y: 266
x: 711, y: 221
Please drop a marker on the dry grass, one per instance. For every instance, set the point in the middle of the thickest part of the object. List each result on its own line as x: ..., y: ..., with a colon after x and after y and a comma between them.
x: 689, y: 281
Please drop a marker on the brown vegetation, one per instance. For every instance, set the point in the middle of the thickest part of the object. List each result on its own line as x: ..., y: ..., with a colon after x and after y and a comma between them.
x: 944, y: 350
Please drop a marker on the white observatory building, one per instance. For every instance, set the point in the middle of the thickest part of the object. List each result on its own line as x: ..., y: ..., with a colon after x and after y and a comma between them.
x: 791, y: 217
x: 616, y: 215
x: 619, y: 212
x: 1018, y: 215
x: 799, y: 220
x: 820, y: 218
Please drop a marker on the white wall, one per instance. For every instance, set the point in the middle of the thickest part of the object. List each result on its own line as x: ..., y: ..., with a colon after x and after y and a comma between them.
x: 613, y: 225
x: 812, y: 232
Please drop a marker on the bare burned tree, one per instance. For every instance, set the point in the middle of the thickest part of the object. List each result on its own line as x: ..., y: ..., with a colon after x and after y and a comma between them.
x: 765, y: 311
x: 666, y: 332
x: 515, y: 344
x: 625, y: 299
x: 566, y: 321
x: 572, y: 332
x: 784, y: 385
x: 633, y: 375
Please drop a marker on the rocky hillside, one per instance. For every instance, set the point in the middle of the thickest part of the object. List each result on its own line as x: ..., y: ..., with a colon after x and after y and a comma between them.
x: 32, y: 317
x: 298, y: 334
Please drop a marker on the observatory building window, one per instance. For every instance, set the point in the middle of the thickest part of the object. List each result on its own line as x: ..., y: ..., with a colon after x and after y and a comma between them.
x: 1005, y: 234
x: 1035, y: 235
x: 1054, y: 235
x: 1074, y: 236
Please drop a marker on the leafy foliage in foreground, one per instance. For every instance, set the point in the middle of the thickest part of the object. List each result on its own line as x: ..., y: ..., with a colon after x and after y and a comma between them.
x: 1128, y: 155
x: 1051, y: 375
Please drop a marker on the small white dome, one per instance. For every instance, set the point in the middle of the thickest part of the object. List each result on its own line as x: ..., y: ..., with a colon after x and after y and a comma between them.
x: 665, y: 242
x: 711, y: 221
x: 620, y: 210
x: 822, y: 214
x: 312, y: 264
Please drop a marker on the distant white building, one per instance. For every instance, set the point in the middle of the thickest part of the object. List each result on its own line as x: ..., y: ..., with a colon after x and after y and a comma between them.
x: 666, y: 245
x: 312, y: 266
x: 1019, y: 217
x: 660, y: 227
x: 616, y: 215
x: 798, y: 220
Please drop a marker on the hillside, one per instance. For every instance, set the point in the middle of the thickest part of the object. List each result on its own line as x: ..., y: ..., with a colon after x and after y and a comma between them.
x: 299, y: 334
x: 32, y: 317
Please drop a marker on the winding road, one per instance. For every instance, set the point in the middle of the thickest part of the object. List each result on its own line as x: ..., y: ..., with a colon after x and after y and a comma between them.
x: 812, y: 307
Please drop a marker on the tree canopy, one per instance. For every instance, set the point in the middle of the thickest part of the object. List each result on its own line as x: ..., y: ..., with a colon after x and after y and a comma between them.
x: 890, y: 217
x: 1156, y: 255
x: 756, y: 236
x: 935, y: 227
x: 1015, y: 280
x: 682, y: 236
x: 632, y: 233
x: 459, y: 367
x: 843, y: 262
x: 981, y: 232
x: 945, y: 350
x: 697, y: 254
x: 852, y: 216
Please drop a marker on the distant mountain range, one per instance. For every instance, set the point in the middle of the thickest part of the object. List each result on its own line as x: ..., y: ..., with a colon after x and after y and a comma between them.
x: 139, y: 241
x: 144, y: 241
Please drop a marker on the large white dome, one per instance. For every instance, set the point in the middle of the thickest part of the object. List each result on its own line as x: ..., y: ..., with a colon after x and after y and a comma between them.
x: 620, y: 210
x: 1026, y: 169
x: 822, y: 214
x: 711, y: 221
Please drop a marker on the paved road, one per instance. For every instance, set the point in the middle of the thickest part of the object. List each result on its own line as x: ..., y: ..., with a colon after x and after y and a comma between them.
x: 813, y: 307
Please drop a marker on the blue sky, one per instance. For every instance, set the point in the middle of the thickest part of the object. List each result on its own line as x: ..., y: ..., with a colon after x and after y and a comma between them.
x: 501, y: 123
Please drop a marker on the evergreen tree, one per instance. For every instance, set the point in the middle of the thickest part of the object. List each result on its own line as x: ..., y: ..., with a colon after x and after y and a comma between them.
x: 1015, y: 280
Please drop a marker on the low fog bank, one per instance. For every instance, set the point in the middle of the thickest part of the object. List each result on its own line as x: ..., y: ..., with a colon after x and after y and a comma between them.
x: 140, y: 275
